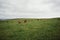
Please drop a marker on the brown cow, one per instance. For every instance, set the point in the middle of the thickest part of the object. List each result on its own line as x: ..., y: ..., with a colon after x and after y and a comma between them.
x: 19, y: 22
x: 25, y: 21
x: 38, y: 19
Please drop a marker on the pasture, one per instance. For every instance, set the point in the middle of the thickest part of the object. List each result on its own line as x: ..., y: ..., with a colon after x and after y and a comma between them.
x: 30, y: 29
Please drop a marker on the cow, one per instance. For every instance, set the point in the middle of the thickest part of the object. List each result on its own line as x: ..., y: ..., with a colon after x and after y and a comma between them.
x: 19, y: 22
x: 25, y: 21
x: 38, y: 19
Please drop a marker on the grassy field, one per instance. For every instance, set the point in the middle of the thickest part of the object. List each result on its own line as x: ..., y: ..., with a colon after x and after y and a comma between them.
x: 32, y: 29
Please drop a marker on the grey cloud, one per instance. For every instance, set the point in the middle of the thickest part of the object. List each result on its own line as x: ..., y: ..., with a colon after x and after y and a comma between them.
x: 29, y: 8
x: 56, y: 6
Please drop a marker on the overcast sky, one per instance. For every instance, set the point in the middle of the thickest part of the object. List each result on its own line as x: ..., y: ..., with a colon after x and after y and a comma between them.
x: 29, y: 8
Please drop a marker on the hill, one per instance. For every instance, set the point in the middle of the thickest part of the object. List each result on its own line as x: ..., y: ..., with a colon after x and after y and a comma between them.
x: 30, y: 29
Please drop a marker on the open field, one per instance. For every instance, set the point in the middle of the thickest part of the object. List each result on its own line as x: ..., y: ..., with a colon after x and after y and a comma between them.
x: 30, y: 29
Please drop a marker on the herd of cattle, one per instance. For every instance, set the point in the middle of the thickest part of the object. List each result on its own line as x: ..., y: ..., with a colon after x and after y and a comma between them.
x: 25, y: 21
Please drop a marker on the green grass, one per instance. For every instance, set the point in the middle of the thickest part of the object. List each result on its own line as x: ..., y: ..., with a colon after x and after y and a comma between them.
x: 33, y: 29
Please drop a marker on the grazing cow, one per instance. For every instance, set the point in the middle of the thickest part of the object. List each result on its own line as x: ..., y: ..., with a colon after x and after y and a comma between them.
x: 19, y: 22
x: 38, y: 19
x: 25, y: 21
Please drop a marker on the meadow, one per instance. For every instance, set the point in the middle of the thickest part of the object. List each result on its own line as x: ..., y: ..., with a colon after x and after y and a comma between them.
x: 31, y: 29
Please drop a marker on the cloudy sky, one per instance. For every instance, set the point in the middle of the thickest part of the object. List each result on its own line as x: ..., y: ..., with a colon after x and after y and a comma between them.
x: 29, y: 8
